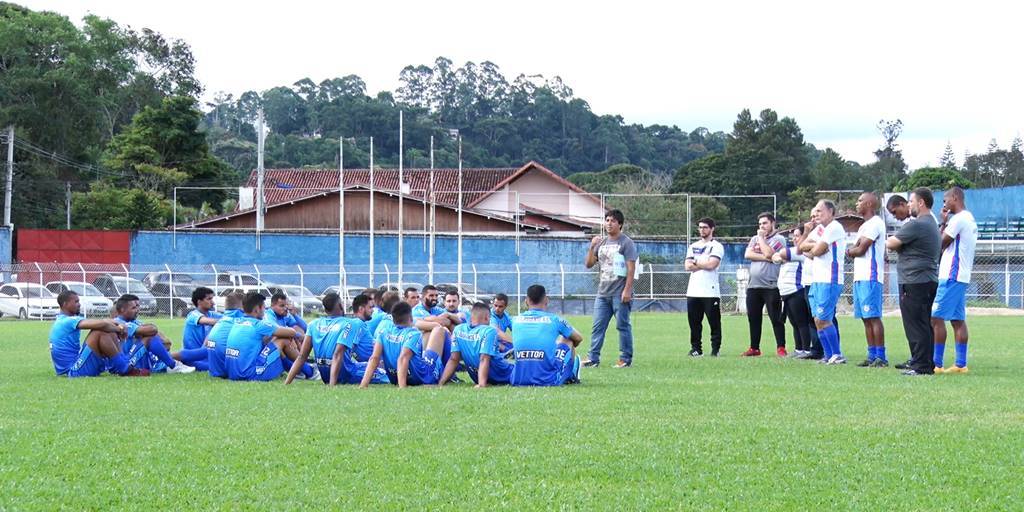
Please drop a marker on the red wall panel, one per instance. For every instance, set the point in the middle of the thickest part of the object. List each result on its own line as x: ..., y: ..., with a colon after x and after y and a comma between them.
x: 63, y: 246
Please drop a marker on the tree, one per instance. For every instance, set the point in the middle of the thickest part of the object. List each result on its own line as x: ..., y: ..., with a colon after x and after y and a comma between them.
x: 890, y: 168
x: 935, y: 178
x: 948, y: 159
x: 109, y: 207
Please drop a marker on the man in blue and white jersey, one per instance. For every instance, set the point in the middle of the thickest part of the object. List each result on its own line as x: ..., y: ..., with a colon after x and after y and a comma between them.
x: 198, y: 324
x: 822, y: 241
x: 217, y: 340
x: 401, y: 350
x: 146, y: 347
x: 544, y: 345
x: 100, y: 351
x: 256, y: 347
x: 333, y: 340
x: 475, y: 344
x: 868, y: 255
x: 282, y: 313
x: 959, y: 238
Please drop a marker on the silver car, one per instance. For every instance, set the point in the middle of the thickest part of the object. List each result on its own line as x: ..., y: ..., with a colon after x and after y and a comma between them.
x: 91, y: 299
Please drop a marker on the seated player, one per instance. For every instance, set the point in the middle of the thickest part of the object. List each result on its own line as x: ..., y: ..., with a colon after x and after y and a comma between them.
x: 333, y: 340
x: 145, y: 346
x: 198, y: 324
x: 541, y: 360
x: 427, y: 315
x: 411, y: 296
x: 391, y: 299
x: 101, y: 350
x: 282, y: 313
x: 217, y: 340
x: 256, y: 347
x: 378, y: 312
x: 499, y: 319
x: 475, y: 343
x: 400, y: 349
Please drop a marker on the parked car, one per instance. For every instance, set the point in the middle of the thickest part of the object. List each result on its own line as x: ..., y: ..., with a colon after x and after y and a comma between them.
x: 113, y: 286
x: 400, y: 288
x: 467, y: 292
x: 171, y: 297
x: 350, y: 292
x: 304, y: 300
x: 28, y: 300
x: 91, y: 299
x: 219, y: 300
x: 237, y: 279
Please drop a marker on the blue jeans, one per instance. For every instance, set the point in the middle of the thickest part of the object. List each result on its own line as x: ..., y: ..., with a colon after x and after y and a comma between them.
x: 604, y: 308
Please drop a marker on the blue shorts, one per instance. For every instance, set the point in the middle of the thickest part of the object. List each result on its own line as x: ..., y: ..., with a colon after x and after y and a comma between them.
x: 823, y: 298
x: 88, y: 364
x: 867, y: 299
x: 268, y: 364
x: 950, y: 301
x: 425, y: 369
x: 570, y: 364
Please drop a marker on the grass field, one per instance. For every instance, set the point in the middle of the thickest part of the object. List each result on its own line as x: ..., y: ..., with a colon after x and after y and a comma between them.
x: 669, y: 433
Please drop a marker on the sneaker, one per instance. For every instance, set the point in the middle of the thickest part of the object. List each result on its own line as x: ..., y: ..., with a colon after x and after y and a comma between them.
x: 802, y: 354
x: 455, y: 380
x: 623, y: 364
x: 316, y: 374
x: 910, y: 372
x: 865, y: 363
x: 837, y: 359
x: 590, y: 363
x: 695, y: 353
x: 751, y: 352
x: 879, y: 363
x: 904, y: 365
x: 181, y: 367
x: 938, y: 369
x: 137, y: 372
x: 955, y: 369
x: 822, y: 361
x: 572, y: 380
x: 781, y: 352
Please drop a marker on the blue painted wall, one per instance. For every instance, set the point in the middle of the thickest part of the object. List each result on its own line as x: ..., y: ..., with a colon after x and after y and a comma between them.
x: 5, y: 245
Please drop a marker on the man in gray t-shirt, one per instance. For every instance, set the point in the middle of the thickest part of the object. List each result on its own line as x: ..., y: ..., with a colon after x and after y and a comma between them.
x: 763, y: 287
x: 615, y: 257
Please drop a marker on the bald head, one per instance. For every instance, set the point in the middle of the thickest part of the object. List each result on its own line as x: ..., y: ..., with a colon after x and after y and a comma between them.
x: 953, y: 200
x: 867, y: 205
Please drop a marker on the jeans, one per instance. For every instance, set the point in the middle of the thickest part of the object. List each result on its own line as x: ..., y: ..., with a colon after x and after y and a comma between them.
x: 604, y: 308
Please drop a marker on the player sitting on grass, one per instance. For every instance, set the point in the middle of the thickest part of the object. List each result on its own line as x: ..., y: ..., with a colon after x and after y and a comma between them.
x: 475, y: 343
x: 217, y: 340
x: 500, y: 319
x: 333, y: 340
x: 282, y: 313
x: 377, y: 314
x: 256, y: 347
x: 400, y: 349
x: 198, y: 324
x: 145, y: 346
x: 541, y: 360
x: 101, y: 350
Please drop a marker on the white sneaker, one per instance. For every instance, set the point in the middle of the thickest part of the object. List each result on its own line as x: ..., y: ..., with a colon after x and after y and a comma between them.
x: 180, y: 367
x: 837, y: 359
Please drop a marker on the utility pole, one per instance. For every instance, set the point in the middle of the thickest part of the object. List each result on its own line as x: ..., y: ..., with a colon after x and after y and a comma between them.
x: 401, y: 176
x: 67, y: 202
x: 432, y: 198
x: 459, y: 270
x: 259, y: 174
x: 341, y: 215
x: 9, y: 185
x: 371, y: 212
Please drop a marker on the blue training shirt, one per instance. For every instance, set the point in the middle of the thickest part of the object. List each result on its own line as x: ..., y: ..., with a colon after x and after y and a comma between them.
x: 244, y: 345
x: 195, y: 333
x: 393, y: 339
x: 539, y: 359
x: 420, y: 311
x: 327, y: 332
x: 217, y: 342
x: 65, y: 342
x: 385, y: 323
x: 502, y: 323
x: 472, y: 341
x: 376, y: 316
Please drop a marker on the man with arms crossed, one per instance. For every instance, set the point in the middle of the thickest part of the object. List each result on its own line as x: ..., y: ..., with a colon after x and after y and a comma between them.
x: 763, y: 290
x: 615, y: 256
x: 822, y: 239
x: 255, y: 344
x: 868, y: 255
x: 959, y: 237
x: 703, y: 295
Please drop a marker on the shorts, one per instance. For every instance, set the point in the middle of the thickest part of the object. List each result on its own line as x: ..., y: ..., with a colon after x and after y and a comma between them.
x: 268, y: 364
x: 88, y: 364
x: 570, y: 364
x: 823, y: 298
x: 426, y: 369
x: 867, y: 299
x: 950, y: 301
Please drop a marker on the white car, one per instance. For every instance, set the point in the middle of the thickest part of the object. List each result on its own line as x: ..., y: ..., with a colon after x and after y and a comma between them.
x: 220, y: 299
x: 28, y: 300
x: 92, y: 300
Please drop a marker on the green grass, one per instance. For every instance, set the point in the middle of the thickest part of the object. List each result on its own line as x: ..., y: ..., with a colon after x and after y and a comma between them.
x: 670, y: 433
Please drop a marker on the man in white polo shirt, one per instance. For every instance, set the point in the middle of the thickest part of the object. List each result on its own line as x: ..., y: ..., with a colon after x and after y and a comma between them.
x: 703, y: 295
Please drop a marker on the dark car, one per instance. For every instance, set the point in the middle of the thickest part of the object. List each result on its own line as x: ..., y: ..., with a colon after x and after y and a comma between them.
x: 173, y: 292
x: 113, y: 286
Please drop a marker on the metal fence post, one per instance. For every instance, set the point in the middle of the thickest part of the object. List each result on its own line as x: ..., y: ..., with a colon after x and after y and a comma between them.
x: 83, y: 272
x: 561, y: 271
x: 650, y: 274
x: 170, y: 291
x: 40, y: 285
x: 476, y: 290
x: 1006, y: 275
x: 302, y: 291
x: 259, y: 277
x: 387, y: 274
x: 127, y: 276
x: 519, y: 292
x: 216, y: 282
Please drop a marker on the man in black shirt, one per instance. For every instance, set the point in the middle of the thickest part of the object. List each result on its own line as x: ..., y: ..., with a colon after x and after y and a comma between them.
x: 918, y: 244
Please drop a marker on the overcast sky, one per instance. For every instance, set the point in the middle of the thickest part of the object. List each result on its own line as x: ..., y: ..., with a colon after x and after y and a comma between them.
x: 950, y: 70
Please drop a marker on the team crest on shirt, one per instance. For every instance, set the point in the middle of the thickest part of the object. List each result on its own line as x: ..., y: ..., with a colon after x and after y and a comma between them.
x: 866, y: 308
x: 698, y: 250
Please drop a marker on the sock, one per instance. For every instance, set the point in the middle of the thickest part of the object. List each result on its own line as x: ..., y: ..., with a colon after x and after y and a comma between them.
x: 832, y: 335
x: 880, y: 353
x: 872, y: 355
x: 446, y: 352
x: 156, y: 347
x: 826, y: 346
x: 940, y: 351
x: 194, y: 357
x: 961, y: 355
x: 307, y: 370
x: 119, y: 364
x: 137, y: 355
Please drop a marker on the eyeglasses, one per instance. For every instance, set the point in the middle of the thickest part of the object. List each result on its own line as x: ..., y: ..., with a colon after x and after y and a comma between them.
x: 703, y: 227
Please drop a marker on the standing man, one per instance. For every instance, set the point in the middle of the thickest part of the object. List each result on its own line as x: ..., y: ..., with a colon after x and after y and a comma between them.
x: 868, y: 275
x: 822, y: 238
x: 615, y: 256
x: 703, y: 295
x: 793, y: 289
x: 763, y: 290
x: 918, y: 272
x: 959, y: 237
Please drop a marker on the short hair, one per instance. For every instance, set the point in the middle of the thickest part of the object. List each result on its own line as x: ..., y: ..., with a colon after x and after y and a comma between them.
x: 798, y: 227
x: 390, y: 301
x: 371, y: 292
x: 378, y: 295
x: 536, y: 293
x: 480, y: 307
x: 401, y: 313
x: 359, y: 301
x: 409, y: 290
x: 252, y: 300
x: 957, y: 193
x: 278, y: 296
x: 617, y: 215
x: 234, y: 300
x: 452, y: 291
x: 123, y: 301
x: 895, y: 200
x: 502, y: 297
x: 199, y: 294
x: 768, y: 215
x: 925, y: 194
x: 829, y: 204
x: 707, y: 220
x: 65, y: 296
x: 330, y: 301
x: 428, y: 288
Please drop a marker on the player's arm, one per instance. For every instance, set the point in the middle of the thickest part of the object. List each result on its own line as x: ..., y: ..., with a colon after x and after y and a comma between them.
x: 371, y: 365
x: 403, y: 367
x: 575, y: 338
x: 336, y: 362
x: 817, y: 248
x: 711, y: 264
x: 454, y: 318
x: 307, y: 345
x: 860, y: 248
x: 502, y: 335
x: 207, y: 320
x: 752, y: 255
x: 591, y: 258
x: 690, y: 264
x: 449, y: 369
x: 100, y: 324
x: 146, y: 331
x: 893, y: 243
x: 484, y: 372
x: 627, y: 291
x: 284, y: 332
